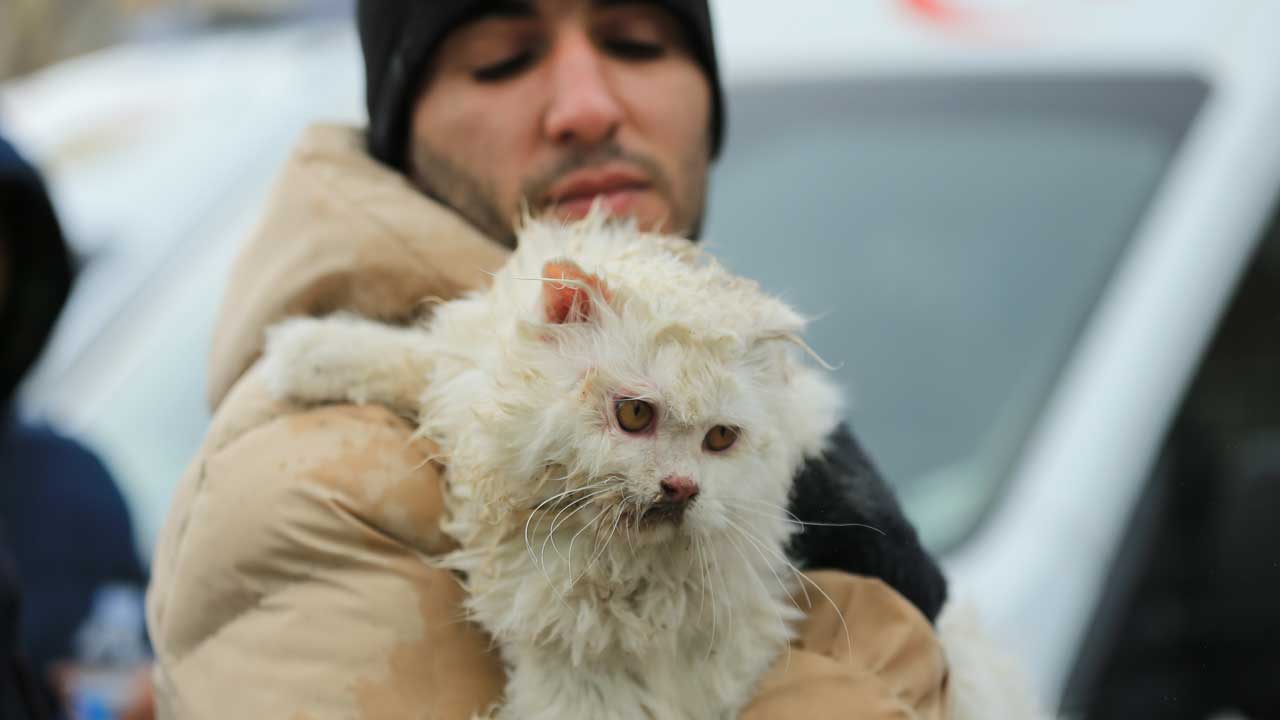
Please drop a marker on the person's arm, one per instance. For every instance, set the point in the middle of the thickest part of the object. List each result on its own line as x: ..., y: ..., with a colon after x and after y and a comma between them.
x: 863, y: 651
x: 867, y: 647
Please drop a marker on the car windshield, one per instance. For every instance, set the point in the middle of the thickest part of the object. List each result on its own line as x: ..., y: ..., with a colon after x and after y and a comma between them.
x: 949, y: 238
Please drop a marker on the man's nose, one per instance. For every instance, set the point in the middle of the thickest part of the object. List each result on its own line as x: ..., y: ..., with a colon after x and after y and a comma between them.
x: 678, y: 489
x: 584, y: 108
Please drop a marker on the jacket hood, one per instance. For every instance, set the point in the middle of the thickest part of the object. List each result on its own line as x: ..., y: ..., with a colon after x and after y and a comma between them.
x: 342, y: 232
x: 37, y: 273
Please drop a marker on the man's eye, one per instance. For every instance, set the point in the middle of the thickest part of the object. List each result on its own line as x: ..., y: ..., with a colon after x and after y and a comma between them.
x: 635, y: 49
x: 503, y: 69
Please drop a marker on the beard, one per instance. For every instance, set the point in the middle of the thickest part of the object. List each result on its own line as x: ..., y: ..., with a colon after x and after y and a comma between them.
x: 475, y: 198
x: 472, y: 197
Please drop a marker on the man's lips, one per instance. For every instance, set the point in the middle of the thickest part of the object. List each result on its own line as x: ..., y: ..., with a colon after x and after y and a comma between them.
x: 578, y: 190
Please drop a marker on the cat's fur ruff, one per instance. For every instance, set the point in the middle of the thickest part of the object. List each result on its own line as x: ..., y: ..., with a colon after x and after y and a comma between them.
x: 598, y: 613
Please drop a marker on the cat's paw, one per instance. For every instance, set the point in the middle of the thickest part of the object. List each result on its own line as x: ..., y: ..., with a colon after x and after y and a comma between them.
x: 346, y: 358
x: 304, y: 362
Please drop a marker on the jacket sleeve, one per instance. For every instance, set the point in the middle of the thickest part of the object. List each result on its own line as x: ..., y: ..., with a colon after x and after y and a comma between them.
x: 863, y: 651
x: 294, y: 580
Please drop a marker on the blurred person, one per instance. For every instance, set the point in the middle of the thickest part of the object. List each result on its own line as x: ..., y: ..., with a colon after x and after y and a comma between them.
x: 35, y: 33
x: 63, y: 522
x: 292, y: 578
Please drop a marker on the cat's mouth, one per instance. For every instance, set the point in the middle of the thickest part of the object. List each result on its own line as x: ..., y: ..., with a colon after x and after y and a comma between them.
x: 663, y: 513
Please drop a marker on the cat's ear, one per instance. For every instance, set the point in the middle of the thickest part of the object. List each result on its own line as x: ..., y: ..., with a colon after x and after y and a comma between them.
x: 569, y: 293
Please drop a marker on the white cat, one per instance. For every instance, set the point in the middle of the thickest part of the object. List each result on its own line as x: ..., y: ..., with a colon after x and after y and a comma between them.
x: 621, y: 419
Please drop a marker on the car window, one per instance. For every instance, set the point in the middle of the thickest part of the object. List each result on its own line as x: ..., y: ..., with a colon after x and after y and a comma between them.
x: 949, y: 238
x: 1201, y: 550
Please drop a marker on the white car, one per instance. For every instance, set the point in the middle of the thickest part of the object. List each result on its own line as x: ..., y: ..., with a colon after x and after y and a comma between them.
x: 1039, y: 239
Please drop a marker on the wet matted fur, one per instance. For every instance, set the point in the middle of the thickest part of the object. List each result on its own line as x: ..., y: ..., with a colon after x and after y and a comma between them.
x: 604, y: 599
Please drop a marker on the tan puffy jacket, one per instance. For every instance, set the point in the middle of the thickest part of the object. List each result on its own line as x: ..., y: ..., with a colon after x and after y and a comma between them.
x: 290, y: 581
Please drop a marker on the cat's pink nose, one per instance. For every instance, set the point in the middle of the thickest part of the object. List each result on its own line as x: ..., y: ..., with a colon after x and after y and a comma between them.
x: 679, y: 489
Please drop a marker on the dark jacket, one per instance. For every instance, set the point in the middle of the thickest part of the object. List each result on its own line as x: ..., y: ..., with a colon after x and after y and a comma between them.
x: 68, y: 529
x: 31, y: 296
x: 64, y: 528
x: 19, y: 696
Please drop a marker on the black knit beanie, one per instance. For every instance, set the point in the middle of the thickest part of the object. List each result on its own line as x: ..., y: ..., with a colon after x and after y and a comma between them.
x: 399, y: 36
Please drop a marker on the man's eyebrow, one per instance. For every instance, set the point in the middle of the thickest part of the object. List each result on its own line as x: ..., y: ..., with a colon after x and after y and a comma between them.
x: 615, y: 3
x: 500, y: 9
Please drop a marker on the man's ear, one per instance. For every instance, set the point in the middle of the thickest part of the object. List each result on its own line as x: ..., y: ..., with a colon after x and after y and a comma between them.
x: 569, y: 293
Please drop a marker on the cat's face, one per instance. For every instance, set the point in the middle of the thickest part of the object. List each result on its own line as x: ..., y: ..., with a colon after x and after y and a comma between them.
x: 687, y: 447
x: 659, y: 423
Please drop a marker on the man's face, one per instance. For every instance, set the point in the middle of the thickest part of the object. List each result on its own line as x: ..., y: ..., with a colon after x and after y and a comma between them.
x: 554, y: 103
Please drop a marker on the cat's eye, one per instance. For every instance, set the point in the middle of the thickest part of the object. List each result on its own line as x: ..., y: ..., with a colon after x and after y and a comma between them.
x: 720, y: 438
x: 634, y: 415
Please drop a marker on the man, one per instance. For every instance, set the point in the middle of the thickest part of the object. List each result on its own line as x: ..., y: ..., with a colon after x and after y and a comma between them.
x: 293, y: 578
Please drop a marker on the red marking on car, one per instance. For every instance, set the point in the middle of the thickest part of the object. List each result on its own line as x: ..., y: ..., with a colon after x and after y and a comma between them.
x: 935, y: 10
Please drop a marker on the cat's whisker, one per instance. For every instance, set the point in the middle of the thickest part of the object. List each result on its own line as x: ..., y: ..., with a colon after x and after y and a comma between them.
x: 638, y: 515
x: 724, y: 584
x: 848, y: 638
x: 574, y: 539
x: 440, y: 458
x: 797, y: 521
x: 572, y: 508
x: 709, y: 585
x: 706, y: 579
x: 597, y: 529
x: 538, y: 509
x: 570, y: 491
x: 592, y: 525
x: 755, y: 573
x: 781, y: 556
x: 702, y: 578
x: 542, y: 553
x: 739, y: 503
x: 527, y: 542
x: 783, y: 586
x: 575, y: 505
x: 794, y: 571
x: 617, y: 516
x: 628, y: 512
